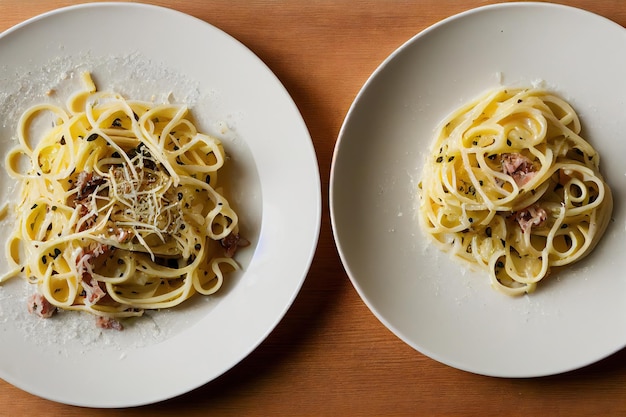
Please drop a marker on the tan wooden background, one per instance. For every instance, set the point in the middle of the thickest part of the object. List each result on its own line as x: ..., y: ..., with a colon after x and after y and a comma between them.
x: 330, y: 355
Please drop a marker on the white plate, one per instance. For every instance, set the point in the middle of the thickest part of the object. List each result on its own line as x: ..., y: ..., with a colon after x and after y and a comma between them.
x: 426, y: 299
x: 145, y: 51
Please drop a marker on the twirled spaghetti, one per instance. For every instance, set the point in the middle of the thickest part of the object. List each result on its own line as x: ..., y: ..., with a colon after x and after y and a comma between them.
x: 510, y: 186
x: 120, y: 209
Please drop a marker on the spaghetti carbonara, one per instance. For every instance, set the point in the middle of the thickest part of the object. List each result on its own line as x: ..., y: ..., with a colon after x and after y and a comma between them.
x: 120, y: 209
x: 511, y: 187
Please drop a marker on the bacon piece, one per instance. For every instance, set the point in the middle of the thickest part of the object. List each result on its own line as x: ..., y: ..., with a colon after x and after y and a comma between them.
x: 533, y: 216
x: 232, y: 242
x: 108, y: 323
x: 86, y: 183
x: 39, y: 305
x: 518, y: 166
x: 93, y: 292
x: 87, y: 255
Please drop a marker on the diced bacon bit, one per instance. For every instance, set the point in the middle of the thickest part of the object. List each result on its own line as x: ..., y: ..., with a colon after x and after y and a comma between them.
x: 93, y: 292
x: 232, y: 242
x: 86, y: 255
x: 39, y: 305
x: 108, y: 323
x: 98, y: 249
x: 87, y: 183
x: 533, y: 216
x: 88, y: 222
x: 518, y: 166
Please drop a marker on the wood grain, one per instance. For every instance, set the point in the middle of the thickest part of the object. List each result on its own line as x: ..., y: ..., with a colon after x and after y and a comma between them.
x: 330, y: 355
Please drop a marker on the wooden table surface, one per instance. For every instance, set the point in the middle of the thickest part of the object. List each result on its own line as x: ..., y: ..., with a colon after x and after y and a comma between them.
x: 330, y: 355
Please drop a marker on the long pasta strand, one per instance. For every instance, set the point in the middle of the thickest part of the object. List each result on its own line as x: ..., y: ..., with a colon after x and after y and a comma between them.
x: 510, y: 186
x: 120, y: 208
